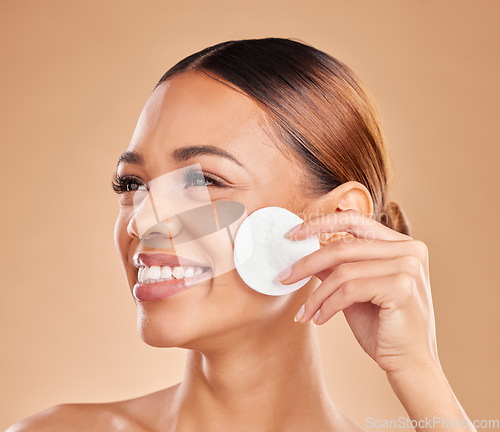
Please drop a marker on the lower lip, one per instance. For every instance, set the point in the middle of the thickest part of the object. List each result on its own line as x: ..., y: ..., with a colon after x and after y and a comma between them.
x: 160, y: 290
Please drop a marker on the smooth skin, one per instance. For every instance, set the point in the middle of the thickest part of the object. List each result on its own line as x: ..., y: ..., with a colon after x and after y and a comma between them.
x: 250, y: 367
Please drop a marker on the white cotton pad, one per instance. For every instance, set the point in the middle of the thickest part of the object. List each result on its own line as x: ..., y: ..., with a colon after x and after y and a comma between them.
x: 261, y: 251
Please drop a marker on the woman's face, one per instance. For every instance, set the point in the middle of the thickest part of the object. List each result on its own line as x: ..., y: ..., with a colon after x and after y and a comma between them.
x: 194, y: 109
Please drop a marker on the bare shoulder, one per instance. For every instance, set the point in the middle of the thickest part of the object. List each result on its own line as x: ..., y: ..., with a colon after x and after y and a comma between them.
x: 77, y: 417
x: 131, y: 415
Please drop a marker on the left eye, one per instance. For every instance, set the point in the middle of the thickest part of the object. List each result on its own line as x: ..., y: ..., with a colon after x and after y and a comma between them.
x: 200, y: 178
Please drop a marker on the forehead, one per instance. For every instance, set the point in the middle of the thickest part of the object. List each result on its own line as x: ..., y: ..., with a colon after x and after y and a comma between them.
x: 193, y: 108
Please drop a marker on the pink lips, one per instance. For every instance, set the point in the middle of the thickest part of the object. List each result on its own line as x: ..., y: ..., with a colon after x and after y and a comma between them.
x: 160, y: 290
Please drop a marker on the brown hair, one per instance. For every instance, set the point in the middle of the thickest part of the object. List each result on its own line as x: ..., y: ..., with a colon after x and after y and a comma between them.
x: 316, y: 105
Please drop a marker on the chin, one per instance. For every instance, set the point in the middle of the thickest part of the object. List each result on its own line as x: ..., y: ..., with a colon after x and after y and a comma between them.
x: 160, y: 330
x: 206, y: 318
x: 186, y: 318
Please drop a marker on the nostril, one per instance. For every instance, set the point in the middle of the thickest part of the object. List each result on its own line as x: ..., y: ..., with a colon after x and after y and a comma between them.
x: 153, y: 235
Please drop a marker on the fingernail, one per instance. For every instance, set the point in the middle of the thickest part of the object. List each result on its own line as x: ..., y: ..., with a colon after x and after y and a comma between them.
x: 284, y: 274
x: 316, y: 316
x: 293, y: 230
x: 300, y: 313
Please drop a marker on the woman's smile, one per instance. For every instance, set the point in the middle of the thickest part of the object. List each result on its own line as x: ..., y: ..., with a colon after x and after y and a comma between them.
x: 163, y: 287
x: 161, y: 275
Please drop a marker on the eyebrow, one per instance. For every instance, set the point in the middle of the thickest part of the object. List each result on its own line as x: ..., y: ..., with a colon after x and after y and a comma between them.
x: 131, y: 157
x: 181, y: 154
x: 186, y: 153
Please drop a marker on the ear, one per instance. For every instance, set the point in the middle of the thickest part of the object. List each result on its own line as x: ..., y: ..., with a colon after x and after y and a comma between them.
x: 353, y: 195
x: 349, y: 195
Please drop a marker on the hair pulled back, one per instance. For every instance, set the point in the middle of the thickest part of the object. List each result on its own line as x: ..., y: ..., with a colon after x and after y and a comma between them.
x: 316, y: 106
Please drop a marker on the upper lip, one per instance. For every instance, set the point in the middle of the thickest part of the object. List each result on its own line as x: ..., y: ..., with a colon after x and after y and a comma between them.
x: 163, y: 259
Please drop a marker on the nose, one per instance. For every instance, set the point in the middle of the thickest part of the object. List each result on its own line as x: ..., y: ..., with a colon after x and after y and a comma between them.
x: 166, y: 228
x: 144, y: 225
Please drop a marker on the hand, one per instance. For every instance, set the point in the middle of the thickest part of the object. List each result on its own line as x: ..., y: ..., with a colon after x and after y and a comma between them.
x: 379, y: 278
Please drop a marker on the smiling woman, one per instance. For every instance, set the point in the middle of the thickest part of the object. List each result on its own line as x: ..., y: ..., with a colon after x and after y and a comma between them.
x: 259, y: 123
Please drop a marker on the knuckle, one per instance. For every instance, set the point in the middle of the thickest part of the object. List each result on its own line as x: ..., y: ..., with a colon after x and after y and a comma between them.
x: 341, y: 272
x: 341, y: 246
x: 405, y: 283
x: 421, y: 249
x: 404, y: 280
x: 347, y: 290
x: 411, y: 264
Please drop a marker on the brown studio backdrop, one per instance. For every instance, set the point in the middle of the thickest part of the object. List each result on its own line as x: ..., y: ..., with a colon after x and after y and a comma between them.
x: 75, y: 76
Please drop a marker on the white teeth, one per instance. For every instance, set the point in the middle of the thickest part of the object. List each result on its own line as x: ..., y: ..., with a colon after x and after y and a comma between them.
x: 162, y: 273
x: 154, y: 272
x: 166, y: 272
x: 177, y: 272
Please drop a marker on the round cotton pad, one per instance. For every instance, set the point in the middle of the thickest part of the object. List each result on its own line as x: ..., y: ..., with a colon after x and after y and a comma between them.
x: 261, y: 251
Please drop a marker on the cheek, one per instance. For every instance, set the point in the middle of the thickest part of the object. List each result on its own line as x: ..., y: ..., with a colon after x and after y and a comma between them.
x: 240, y: 304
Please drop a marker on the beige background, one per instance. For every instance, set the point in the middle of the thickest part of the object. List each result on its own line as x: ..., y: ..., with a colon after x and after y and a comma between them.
x: 75, y: 75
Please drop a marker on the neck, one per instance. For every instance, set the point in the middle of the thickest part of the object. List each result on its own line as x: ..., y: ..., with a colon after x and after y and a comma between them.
x: 266, y: 379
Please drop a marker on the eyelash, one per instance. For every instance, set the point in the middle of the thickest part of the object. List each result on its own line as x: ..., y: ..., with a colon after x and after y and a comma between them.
x: 120, y: 184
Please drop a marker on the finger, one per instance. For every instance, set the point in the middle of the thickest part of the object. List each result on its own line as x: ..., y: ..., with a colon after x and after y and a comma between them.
x: 387, y: 292
x: 350, y: 221
x: 354, y: 270
x: 341, y: 251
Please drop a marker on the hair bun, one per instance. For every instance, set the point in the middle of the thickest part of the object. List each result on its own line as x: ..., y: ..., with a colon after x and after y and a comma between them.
x: 393, y: 217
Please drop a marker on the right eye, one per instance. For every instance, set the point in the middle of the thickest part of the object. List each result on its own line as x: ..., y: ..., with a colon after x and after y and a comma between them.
x: 127, y: 183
